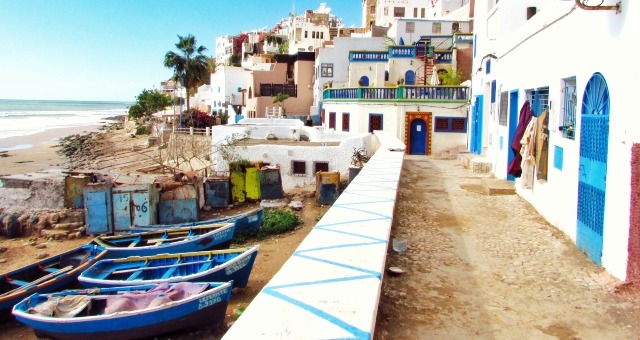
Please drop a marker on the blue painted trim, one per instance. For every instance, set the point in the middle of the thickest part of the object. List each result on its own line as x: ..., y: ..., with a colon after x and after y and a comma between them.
x: 357, y: 332
x: 513, y: 125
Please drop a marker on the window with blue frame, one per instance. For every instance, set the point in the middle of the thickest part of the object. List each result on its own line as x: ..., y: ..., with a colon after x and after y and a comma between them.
x: 488, y: 66
x: 539, y: 100
x: 569, y: 102
x: 450, y: 124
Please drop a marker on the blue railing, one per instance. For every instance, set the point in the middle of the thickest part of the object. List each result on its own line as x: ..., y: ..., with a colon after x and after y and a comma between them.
x: 368, y: 56
x: 402, y: 52
x: 443, y: 57
x: 402, y: 92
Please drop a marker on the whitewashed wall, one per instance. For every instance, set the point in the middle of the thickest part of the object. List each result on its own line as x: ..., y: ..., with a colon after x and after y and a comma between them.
x: 394, y: 119
x: 338, y: 157
x: 562, y: 41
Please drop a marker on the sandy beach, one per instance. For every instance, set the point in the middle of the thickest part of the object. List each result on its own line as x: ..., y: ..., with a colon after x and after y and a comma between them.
x: 37, y: 152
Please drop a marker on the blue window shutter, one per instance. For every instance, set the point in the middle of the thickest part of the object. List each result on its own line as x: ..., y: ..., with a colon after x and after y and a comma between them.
x: 488, y: 66
x: 493, y: 91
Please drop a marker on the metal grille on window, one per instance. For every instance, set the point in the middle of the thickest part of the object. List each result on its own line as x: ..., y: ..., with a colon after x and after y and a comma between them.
x: 569, y: 108
x: 320, y: 166
x: 538, y: 99
x: 442, y: 124
x: 299, y: 168
x: 459, y: 124
x: 504, y: 107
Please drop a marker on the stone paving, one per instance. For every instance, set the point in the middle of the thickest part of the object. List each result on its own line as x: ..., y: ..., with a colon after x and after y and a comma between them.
x: 489, y: 266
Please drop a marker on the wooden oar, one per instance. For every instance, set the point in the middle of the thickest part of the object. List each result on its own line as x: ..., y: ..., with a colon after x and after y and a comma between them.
x: 40, y: 280
x: 125, y: 271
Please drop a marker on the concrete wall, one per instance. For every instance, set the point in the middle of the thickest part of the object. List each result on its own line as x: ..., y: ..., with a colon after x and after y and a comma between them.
x: 337, y: 152
x: 531, y: 55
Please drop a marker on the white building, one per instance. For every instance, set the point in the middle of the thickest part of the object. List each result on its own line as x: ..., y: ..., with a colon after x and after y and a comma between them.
x: 584, y: 176
x: 332, y: 66
x: 224, y: 49
x: 227, y: 85
x: 325, y: 150
x: 387, y: 11
x: 311, y: 30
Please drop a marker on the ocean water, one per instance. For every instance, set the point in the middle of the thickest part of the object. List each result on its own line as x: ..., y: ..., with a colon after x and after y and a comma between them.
x: 27, y: 117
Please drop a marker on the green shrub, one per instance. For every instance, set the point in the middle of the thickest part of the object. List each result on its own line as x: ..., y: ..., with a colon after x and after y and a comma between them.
x: 277, y: 221
x: 143, y: 130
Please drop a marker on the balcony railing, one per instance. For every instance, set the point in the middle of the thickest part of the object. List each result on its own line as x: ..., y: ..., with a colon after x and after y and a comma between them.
x: 272, y: 90
x: 402, y: 92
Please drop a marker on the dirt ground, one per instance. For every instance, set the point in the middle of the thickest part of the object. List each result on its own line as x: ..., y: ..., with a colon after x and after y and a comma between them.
x: 274, y: 251
x: 490, y: 267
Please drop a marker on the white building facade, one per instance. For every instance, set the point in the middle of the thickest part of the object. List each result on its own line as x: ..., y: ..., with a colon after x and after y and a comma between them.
x: 227, y: 85
x: 388, y: 11
x: 581, y: 172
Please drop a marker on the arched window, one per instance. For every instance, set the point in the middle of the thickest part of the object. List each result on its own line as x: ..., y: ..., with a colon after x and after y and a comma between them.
x: 386, y: 75
x: 250, y: 93
x: 455, y: 27
x: 364, y: 81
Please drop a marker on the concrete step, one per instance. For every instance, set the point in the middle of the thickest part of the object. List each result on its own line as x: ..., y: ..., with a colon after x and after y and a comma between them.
x: 493, y: 186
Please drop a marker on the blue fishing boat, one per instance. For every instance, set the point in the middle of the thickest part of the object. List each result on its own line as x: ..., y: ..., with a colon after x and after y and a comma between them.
x: 172, y: 240
x: 246, y: 223
x: 130, y: 312
x: 47, y: 275
x: 203, y: 266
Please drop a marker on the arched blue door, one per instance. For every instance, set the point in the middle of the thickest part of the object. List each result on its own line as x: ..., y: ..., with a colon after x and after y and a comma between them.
x: 594, y: 146
x: 364, y: 81
x: 410, y: 78
x: 418, y: 137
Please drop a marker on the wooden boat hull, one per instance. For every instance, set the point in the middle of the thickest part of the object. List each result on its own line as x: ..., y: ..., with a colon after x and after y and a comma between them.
x: 207, y: 307
x: 40, y: 276
x: 151, y: 243
x: 246, y: 223
x: 205, y: 266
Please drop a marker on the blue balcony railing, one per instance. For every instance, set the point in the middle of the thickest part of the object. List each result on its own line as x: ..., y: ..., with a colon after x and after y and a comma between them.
x: 402, y: 52
x: 443, y: 57
x: 402, y: 92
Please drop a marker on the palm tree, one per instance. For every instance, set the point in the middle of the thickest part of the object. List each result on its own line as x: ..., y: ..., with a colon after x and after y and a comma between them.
x: 189, y: 64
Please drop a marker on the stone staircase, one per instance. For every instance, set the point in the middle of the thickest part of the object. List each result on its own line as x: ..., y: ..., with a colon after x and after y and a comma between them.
x: 488, y: 185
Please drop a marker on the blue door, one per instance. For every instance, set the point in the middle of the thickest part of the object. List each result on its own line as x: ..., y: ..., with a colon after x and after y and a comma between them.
x: 98, y: 212
x: 418, y: 137
x: 410, y: 78
x: 476, y: 126
x: 364, y: 81
x: 594, y: 146
x: 513, y: 125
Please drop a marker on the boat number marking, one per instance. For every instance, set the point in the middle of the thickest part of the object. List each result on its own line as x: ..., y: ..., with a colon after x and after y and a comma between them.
x: 237, y: 266
x: 212, y: 299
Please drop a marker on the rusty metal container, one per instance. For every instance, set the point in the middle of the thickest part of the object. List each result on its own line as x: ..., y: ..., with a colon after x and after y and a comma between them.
x: 270, y: 183
x: 217, y: 192
x: 327, y: 186
x: 73, y: 189
x: 178, y: 211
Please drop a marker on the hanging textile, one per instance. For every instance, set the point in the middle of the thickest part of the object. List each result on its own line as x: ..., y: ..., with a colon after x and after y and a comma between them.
x: 515, y: 168
x: 542, y: 146
x: 528, y: 153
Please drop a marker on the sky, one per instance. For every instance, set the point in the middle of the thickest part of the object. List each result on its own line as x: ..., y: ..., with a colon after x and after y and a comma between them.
x: 111, y: 50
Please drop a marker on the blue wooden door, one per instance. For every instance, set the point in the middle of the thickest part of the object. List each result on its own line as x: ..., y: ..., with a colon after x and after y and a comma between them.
x: 97, y: 205
x: 594, y: 146
x: 122, y: 211
x: 476, y: 126
x: 513, y: 125
x: 418, y: 137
